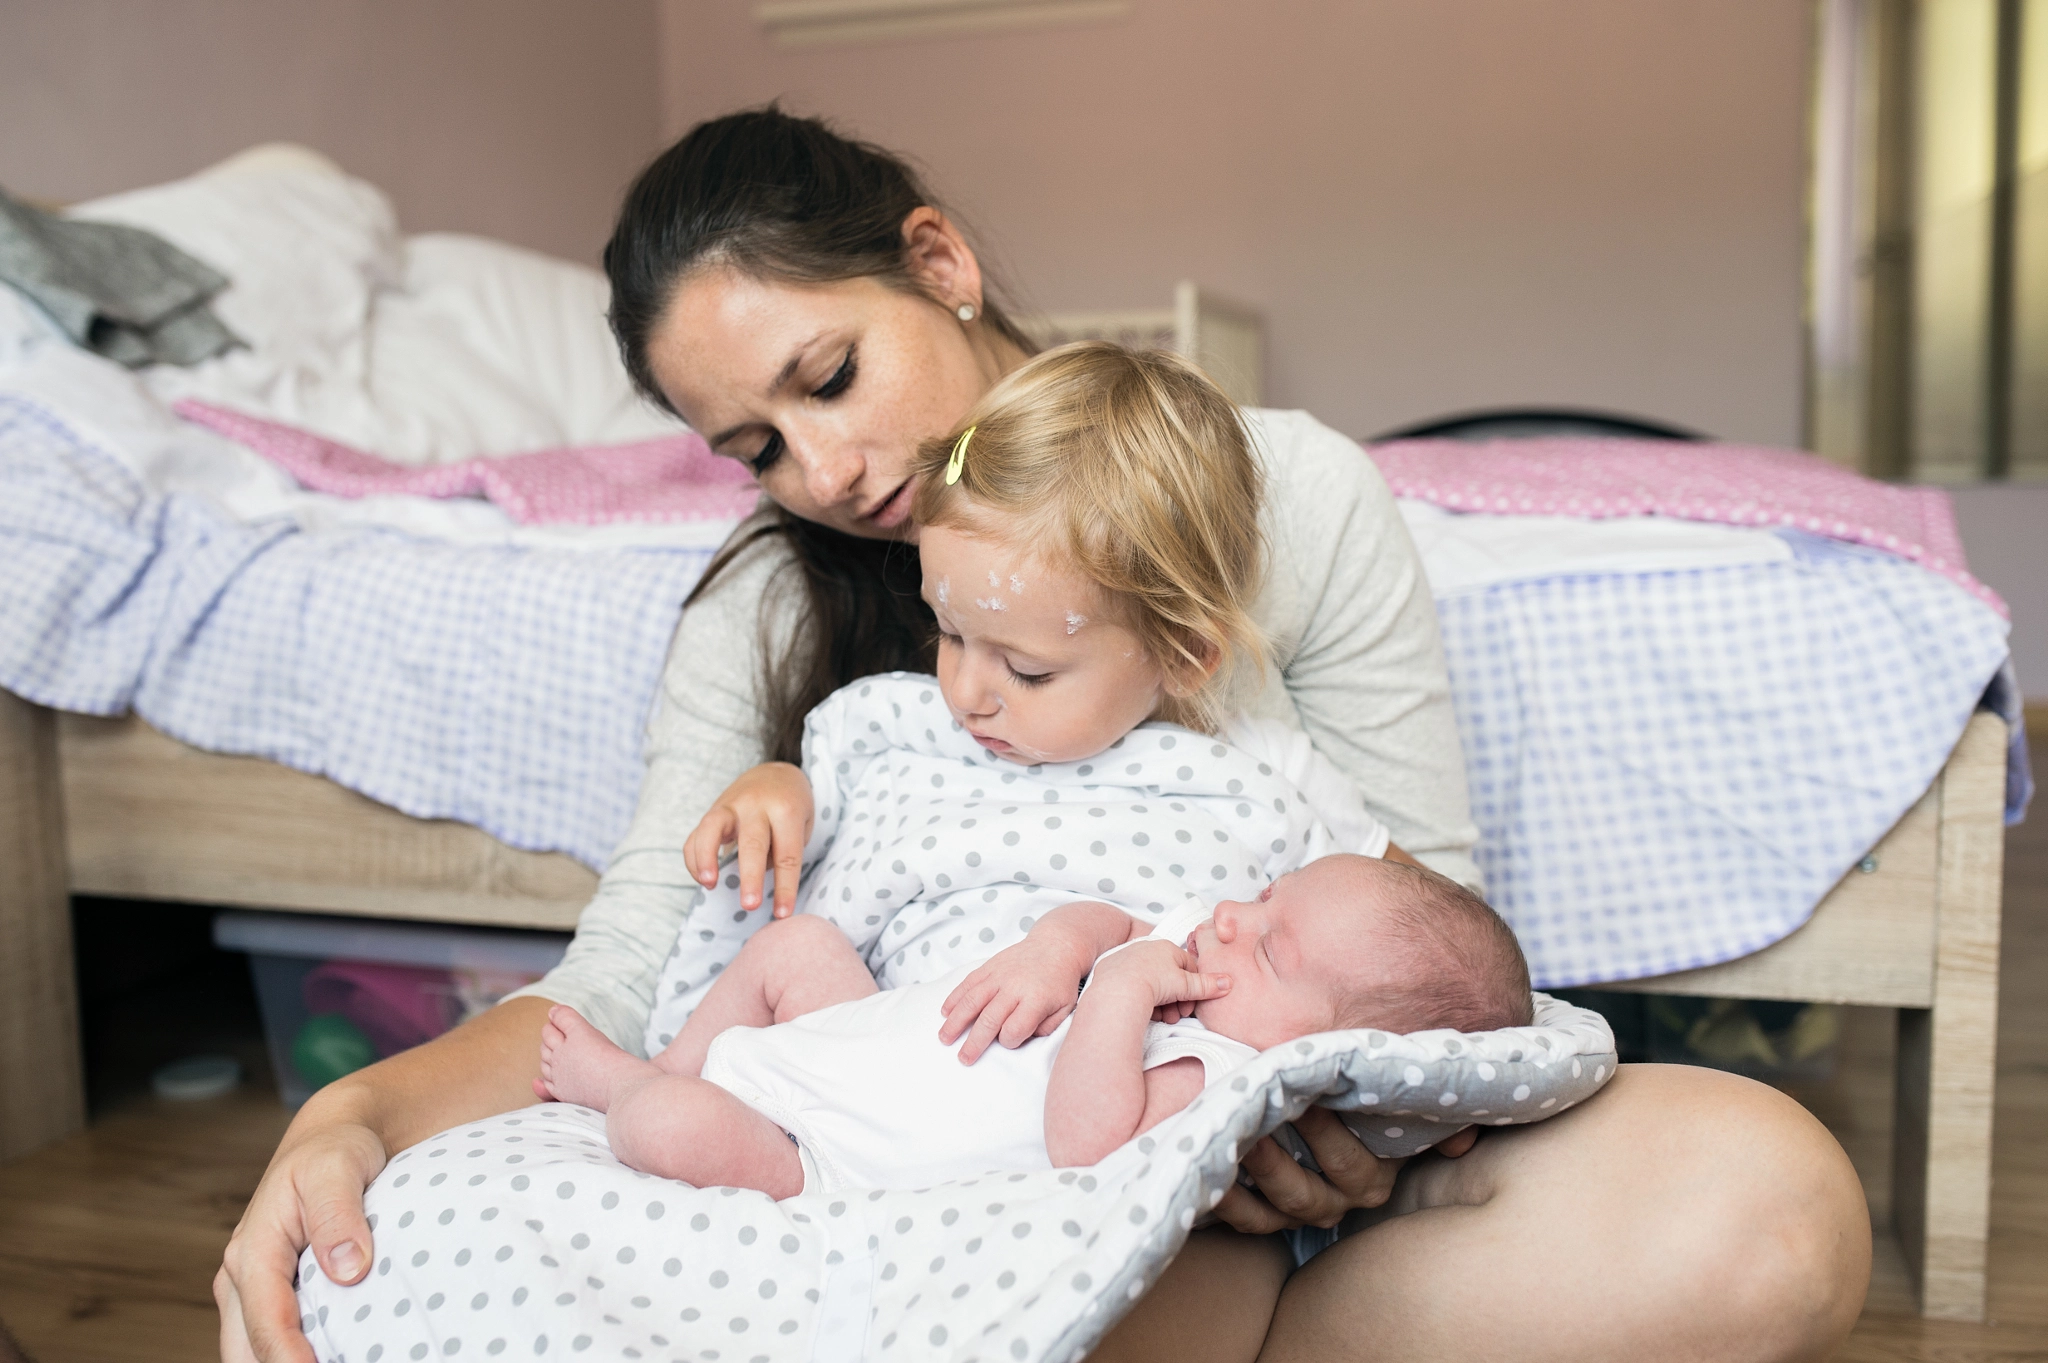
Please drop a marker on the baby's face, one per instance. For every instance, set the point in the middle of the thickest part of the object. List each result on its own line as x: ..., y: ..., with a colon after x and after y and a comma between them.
x: 1311, y: 939
x: 1029, y: 662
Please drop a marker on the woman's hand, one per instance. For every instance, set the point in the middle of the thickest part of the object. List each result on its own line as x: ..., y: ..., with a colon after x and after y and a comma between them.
x: 767, y: 813
x: 1289, y: 1195
x: 312, y: 1193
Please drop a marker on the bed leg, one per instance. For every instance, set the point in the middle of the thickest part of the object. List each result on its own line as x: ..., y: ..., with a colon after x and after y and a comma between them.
x: 42, y: 1076
x: 1941, y: 1159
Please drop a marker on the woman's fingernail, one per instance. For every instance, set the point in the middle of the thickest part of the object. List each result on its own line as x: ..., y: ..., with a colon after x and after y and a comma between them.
x: 346, y: 1258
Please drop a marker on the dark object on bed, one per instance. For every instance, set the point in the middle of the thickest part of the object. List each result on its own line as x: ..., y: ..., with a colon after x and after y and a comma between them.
x: 1523, y: 423
x: 119, y: 291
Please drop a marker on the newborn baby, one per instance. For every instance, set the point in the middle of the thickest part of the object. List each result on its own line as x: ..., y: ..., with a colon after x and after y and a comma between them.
x: 797, y: 1074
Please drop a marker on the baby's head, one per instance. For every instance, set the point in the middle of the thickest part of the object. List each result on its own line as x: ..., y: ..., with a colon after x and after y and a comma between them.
x: 1354, y: 942
x: 1092, y: 560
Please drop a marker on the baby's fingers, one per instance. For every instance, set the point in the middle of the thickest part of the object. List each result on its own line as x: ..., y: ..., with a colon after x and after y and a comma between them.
x: 1053, y: 1020
x: 986, y: 1029
x: 960, y: 991
x: 1196, y: 985
x: 963, y: 1006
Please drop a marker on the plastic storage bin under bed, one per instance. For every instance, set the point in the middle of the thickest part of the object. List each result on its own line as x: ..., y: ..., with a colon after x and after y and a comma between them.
x: 339, y: 993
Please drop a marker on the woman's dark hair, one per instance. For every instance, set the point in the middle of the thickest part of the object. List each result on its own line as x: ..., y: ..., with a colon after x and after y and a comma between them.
x: 784, y: 198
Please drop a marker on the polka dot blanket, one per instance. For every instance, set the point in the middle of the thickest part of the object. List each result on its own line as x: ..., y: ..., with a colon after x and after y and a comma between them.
x: 522, y: 1235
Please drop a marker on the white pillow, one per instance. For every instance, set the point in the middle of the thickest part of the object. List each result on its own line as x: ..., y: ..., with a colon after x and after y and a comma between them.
x: 489, y: 349
x: 428, y: 350
x: 305, y: 248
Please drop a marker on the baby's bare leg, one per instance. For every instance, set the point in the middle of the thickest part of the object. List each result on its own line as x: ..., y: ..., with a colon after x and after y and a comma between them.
x: 579, y: 1064
x: 672, y: 1125
x: 680, y: 1127
x: 791, y: 967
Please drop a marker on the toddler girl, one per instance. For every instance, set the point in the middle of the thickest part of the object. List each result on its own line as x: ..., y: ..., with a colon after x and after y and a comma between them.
x: 1089, y: 544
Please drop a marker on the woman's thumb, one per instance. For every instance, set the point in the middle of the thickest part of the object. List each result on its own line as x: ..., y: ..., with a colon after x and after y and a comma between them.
x: 335, y: 1225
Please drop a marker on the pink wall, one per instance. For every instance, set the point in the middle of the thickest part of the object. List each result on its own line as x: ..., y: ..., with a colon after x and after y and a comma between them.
x: 1438, y: 205
x: 521, y: 119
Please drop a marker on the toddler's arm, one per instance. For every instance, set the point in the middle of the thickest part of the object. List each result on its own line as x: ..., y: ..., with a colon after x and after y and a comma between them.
x: 1028, y: 989
x: 768, y: 813
x: 1101, y: 1094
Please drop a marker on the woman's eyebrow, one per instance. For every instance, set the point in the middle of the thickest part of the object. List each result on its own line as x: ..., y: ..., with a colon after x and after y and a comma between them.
x: 782, y: 378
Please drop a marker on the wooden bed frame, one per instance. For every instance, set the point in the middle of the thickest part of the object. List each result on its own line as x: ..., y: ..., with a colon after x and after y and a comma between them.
x: 112, y: 807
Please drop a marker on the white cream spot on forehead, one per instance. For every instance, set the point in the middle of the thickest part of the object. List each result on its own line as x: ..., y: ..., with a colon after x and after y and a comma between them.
x: 945, y: 590
x: 992, y: 603
x: 1017, y: 584
x: 1074, y: 621
x: 993, y: 580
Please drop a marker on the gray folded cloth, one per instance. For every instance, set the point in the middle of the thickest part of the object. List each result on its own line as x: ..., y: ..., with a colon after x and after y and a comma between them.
x: 119, y: 291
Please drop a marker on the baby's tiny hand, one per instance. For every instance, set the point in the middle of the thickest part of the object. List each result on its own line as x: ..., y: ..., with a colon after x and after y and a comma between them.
x: 1163, y: 973
x: 1021, y: 992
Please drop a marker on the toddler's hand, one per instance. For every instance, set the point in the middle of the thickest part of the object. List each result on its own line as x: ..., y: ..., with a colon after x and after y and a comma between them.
x: 767, y: 813
x: 1022, y: 991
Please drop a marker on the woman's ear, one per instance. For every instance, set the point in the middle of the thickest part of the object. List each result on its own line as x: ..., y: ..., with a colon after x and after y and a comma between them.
x: 940, y: 259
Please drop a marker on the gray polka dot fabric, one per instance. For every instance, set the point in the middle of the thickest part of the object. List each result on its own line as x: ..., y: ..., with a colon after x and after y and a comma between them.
x: 931, y: 853
x: 522, y: 1236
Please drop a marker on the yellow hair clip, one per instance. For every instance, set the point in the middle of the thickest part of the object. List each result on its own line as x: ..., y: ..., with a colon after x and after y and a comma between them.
x: 959, y: 456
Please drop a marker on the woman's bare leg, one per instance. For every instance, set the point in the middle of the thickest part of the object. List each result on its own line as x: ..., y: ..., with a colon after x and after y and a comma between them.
x: 1682, y: 1214
x: 791, y: 967
x: 1211, y: 1305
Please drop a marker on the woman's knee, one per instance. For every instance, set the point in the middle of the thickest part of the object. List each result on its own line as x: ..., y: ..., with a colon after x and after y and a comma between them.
x: 1746, y: 1195
x: 1792, y: 1241
x: 1680, y: 1212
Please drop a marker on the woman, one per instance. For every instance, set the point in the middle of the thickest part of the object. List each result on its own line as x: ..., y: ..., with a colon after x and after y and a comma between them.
x: 801, y: 301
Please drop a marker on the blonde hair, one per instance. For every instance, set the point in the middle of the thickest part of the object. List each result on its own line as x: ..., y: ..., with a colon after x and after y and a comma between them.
x: 1132, y: 468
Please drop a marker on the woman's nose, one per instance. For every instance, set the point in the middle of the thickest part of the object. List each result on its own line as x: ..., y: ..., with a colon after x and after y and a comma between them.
x: 832, y: 470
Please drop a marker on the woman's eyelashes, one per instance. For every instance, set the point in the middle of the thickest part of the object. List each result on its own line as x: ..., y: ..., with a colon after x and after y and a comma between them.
x: 772, y: 448
x: 841, y: 378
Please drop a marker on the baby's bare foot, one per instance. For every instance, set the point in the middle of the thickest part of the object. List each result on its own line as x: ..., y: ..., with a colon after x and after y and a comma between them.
x: 579, y: 1064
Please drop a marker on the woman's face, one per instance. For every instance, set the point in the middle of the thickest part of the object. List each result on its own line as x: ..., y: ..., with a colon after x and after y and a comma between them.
x: 824, y: 390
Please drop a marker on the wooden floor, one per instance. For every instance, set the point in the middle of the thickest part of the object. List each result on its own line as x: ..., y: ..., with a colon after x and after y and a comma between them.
x: 108, y: 1240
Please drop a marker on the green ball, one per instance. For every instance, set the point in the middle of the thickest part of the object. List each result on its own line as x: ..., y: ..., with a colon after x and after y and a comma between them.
x: 328, y: 1047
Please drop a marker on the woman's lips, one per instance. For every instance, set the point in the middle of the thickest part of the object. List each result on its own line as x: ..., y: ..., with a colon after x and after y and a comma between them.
x: 896, y: 509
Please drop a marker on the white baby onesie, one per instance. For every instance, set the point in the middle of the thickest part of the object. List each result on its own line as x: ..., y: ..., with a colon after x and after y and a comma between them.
x: 875, y: 1101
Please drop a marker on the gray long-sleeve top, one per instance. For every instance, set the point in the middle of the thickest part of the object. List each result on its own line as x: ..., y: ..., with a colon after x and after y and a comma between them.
x: 1356, y: 664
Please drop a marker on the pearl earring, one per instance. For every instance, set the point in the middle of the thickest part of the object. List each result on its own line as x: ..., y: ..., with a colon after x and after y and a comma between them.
x: 965, y: 312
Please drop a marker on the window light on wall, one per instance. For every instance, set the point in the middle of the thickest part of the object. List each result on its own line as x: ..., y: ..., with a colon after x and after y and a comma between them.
x: 1928, y: 305
x: 806, y: 23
